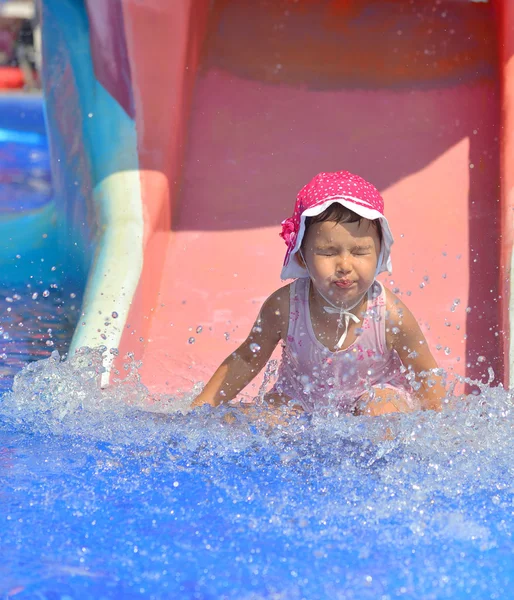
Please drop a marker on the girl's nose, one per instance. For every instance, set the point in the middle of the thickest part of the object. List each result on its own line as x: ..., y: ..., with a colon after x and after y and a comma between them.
x: 344, y: 264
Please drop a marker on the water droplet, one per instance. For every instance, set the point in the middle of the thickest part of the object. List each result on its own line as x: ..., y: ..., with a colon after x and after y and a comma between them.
x: 447, y: 350
x: 481, y: 359
x: 456, y: 303
x: 191, y: 340
x: 90, y: 115
x: 46, y: 293
x: 114, y: 315
x: 199, y: 329
x: 255, y: 347
x: 227, y: 335
x: 49, y: 343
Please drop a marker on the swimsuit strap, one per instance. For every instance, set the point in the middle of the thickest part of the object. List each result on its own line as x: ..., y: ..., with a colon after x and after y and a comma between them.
x: 377, y: 313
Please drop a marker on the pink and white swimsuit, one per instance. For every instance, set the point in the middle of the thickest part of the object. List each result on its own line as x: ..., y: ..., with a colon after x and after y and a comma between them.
x: 320, y: 379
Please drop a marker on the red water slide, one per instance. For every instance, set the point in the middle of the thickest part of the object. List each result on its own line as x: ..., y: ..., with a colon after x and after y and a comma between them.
x: 240, y: 102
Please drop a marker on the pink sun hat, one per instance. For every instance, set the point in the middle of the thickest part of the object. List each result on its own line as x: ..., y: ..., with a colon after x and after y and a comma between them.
x: 352, y: 192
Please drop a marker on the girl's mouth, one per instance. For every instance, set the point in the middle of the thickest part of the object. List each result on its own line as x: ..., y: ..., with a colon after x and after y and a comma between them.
x: 344, y: 283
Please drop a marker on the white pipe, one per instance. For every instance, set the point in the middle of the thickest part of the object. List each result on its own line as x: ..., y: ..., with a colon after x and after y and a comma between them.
x: 116, y: 268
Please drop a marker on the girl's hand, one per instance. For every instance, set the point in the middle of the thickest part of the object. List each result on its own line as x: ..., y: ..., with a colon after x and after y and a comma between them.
x: 384, y: 401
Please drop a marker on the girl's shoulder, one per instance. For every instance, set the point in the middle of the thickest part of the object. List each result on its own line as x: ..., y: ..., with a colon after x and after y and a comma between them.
x: 395, y: 307
x: 279, y: 299
x: 275, y: 309
x: 398, y: 318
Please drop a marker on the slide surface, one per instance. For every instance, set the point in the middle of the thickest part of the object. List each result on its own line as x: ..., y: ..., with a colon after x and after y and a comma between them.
x: 200, y: 121
x: 406, y: 97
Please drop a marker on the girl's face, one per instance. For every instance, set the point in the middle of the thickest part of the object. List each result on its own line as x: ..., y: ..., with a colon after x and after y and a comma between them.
x: 341, y: 259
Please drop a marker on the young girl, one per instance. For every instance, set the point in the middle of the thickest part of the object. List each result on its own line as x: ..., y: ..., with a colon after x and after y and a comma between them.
x: 348, y: 344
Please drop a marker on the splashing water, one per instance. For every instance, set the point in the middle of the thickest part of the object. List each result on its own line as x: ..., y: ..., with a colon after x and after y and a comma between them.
x: 132, y: 496
x: 33, y: 323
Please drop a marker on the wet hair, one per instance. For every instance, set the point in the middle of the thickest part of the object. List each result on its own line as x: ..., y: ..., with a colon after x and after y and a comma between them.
x: 338, y: 213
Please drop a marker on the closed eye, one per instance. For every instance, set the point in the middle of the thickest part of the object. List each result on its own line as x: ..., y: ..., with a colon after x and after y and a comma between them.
x: 326, y: 251
x: 361, y: 250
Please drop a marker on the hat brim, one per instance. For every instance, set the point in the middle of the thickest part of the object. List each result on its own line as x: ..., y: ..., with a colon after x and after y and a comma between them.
x: 292, y: 268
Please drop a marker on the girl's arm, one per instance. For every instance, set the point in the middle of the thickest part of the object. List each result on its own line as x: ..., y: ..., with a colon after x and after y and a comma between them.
x: 405, y: 336
x: 238, y: 369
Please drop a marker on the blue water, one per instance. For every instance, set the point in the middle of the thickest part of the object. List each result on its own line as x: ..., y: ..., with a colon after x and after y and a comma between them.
x: 25, y: 178
x: 104, y: 494
x: 38, y: 313
x: 101, y: 499
x: 35, y: 321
